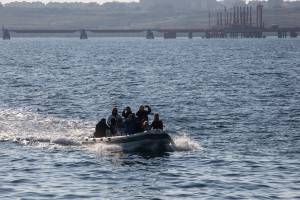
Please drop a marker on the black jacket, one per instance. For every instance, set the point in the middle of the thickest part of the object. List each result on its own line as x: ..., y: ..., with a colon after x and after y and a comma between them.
x: 157, y: 125
x: 143, y: 115
x: 125, y: 114
x: 100, y: 130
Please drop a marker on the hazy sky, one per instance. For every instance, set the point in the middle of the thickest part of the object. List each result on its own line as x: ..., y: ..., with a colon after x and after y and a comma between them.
x: 46, y: 1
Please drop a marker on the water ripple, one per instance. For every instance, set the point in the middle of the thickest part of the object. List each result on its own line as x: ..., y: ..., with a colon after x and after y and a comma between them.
x: 232, y: 107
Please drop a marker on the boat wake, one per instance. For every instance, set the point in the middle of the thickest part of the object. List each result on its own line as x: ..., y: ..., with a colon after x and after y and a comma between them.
x: 29, y: 128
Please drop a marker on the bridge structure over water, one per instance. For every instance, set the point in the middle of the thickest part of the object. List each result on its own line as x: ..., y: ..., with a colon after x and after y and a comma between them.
x: 233, y: 23
x: 222, y: 32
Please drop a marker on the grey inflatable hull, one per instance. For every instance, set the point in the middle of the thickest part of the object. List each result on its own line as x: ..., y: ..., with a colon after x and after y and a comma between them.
x: 154, y: 140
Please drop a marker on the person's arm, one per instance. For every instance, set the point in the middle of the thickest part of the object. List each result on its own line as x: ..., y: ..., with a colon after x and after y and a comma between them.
x: 151, y: 125
x: 149, y: 109
x: 123, y: 113
x: 109, y: 120
x: 162, y: 125
x: 137, y: 114
x: 126, y: 127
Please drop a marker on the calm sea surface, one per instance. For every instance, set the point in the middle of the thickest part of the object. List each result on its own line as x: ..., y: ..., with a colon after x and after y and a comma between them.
x: 232, y: 107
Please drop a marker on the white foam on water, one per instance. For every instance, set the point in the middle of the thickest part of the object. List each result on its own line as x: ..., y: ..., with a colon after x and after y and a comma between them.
x: 28, y: 128
x: 103, y: 150
x: 184, y: 143
x: 66, y: 141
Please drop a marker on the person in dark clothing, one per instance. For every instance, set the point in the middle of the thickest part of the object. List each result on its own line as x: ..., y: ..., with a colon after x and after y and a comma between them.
x: 113, y: 127
x: 142, y: 116
x: 116, y: 116
x: 126, y: 112
x: 157, y: 124
x: 130, y: 125
x: 100, y: 130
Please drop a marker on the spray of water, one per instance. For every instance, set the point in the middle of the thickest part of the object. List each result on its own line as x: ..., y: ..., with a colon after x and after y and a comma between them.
x: 26, y: 127
x: 105, y: 149
x: 184, y: 143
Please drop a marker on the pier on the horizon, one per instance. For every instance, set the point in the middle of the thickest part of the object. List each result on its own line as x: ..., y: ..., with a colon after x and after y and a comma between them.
x: 236, y: 22
x: 216, y: 32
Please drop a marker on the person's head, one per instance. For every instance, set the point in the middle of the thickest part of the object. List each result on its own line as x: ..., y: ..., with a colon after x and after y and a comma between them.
x: 128, y: 109
x: 114, y: 111
x: 103, y: 121
x: 156, y: 117
x: 142, y: 108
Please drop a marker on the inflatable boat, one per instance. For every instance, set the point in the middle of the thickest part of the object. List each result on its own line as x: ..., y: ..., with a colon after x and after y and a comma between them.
x: 153, y: 140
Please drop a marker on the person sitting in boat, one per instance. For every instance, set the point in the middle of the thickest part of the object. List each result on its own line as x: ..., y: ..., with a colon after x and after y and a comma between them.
x: 101, y: 128
x: 116, y: 116
x: 126, y: 112
x: 157, y: 123
x: 113, y: 127
x: 142, y: 116
x: 145, y: 126
x: 130, y: 125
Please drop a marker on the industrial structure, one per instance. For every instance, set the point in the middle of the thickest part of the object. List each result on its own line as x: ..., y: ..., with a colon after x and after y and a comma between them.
x: 238, y: 22
x: 233, y: 23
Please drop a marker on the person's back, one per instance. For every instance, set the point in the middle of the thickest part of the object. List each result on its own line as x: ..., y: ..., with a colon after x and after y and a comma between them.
x: 126, y: 112
x: 130, y: 125
x: 113, y: 127
x: 142, y: 117
x: 142, y: 114
x: 114, y: 115
x: 100, y: 130
x: 157, y: 123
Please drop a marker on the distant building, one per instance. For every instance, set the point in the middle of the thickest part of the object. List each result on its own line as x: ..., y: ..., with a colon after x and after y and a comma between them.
x: 275, y: 4
x: 292, y: 4
x: 164, y: 4
x: 254, y: 3
x: 118, y: 6
x: 25, y: 4
x: 178, y: 5
x: 209, y: 4
x: 72, y: 5
x: 231, y: 3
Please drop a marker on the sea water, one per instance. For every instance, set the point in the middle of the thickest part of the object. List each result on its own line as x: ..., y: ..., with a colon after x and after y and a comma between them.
x: 231, y: 106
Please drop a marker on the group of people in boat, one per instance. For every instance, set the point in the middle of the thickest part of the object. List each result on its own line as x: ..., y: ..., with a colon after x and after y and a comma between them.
x: 129, y: 123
